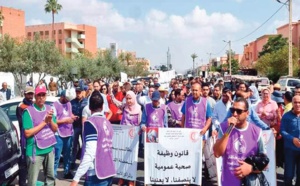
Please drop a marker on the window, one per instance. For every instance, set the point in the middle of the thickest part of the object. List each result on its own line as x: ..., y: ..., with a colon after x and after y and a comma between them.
x: 59, y: 41
x: 293, y: 82
x: 47, y: 33
x: 41, y: 33
x: 4, y: 120
x: 54, y: 32
x: 29, y: 34
x: 59, y: 32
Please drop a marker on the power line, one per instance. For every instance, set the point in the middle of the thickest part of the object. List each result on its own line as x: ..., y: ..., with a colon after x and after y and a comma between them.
x: 262, y: 23
x: 220, y: 50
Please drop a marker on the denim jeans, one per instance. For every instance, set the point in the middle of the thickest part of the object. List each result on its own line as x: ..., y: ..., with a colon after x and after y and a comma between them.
x: 95, y: 181
x: 75, y: 146
x: 62, y: 145
x: 47, y: 160
x: 292, y: 161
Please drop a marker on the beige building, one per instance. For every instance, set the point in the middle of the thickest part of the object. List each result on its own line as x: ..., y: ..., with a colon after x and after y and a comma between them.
x: 70, y: 39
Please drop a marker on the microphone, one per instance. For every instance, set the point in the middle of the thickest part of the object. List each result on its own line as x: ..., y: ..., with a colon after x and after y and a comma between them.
x: 229, y: 129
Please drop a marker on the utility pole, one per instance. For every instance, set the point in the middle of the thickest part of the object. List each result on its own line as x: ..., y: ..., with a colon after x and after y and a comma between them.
x: 168, y: 59
x: 229, y: 53
x: 209, y: 63
x: 290, y: 60
x: 290, y: 40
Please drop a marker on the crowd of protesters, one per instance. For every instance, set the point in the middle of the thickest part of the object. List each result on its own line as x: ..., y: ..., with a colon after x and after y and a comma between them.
x: 233, y: 116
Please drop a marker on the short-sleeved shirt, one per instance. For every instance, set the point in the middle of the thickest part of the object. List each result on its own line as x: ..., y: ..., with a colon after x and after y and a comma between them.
x: 28, y: 124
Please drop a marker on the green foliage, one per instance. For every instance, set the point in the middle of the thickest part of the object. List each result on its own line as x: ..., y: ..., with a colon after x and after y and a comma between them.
x: 52, y: 6
x: 275, y: 64
x: 274, y: 44
x: 163, y: 68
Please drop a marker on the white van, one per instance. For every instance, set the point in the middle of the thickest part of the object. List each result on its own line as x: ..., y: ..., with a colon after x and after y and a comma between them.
x: 288, y: 83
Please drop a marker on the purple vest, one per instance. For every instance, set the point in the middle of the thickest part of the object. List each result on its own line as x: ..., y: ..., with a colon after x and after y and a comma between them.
x: 195, y: 113
x: 104, y: 165
x: 44, y: 138
x: 155, y: 116
x: 64, y: 111
x: 241, y: 144
x: 175, y: 109
x: 130, y: 119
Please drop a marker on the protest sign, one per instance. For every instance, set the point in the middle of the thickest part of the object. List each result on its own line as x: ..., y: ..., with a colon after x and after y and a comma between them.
x: 269, y: 142
x: 173, y: 156
x: 125, y: 150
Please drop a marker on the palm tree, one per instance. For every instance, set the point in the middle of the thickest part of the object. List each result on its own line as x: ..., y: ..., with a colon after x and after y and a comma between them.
x: 194, y: 56
x: 1, y: 22
x: 53, y: 7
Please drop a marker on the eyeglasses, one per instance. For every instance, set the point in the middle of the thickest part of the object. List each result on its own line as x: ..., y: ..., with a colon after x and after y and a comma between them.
x: 238, y: 111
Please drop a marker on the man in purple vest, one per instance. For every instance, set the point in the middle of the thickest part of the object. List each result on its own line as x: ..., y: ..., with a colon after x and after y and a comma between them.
x: 237, y: 143
x: 39, y: 125
x: 174, y: 109
x: 98, y: 167
x: 65, y: 120
x: 154, y: 114
x: 196, y: 111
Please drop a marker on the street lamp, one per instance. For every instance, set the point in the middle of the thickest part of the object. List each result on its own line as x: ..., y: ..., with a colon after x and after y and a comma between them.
x: 229, y: 53
x: 290, y: 37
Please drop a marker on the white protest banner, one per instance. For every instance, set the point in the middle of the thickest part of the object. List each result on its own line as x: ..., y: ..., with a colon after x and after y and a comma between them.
x: 213, y: 164
x: 125, y: 150
x: 124, y: 77
x: 173, y: 156
x: 269, y: 141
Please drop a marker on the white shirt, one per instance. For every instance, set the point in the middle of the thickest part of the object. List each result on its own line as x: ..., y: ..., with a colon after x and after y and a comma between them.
x: 86, y: 112
x: 220, y: 112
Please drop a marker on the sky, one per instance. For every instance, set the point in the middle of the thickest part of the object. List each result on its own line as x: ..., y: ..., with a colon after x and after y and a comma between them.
x: 150, y: 27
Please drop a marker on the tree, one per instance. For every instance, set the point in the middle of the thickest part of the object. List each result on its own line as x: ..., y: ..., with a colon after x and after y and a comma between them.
x: 53, y: 7
x: 163, y: 68
x: 194, y: 56
x: 10, y: 60
x: 275, y: 64
x: 274, y: 43
x: 137, y: 69
x: 128, y: 57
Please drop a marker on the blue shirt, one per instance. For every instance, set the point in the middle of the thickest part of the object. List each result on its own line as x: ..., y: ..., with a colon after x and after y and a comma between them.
x: 208, y: 108
x: 77, y: 108
x: 144, y: 119
x: 252, y: 118
x: 290, y: 129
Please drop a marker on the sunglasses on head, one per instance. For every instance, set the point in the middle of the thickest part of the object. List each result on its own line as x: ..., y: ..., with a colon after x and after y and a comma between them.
x: 238, y: 111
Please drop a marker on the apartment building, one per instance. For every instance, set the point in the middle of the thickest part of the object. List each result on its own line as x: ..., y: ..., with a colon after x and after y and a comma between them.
x: 70, y: 39
x: 284, y: 31
x: 13, y: 22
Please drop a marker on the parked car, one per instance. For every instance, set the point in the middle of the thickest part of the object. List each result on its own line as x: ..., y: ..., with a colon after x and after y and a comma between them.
x: 288, y: 83
x: 263, y: 82
x: 10, y: 150
x: 11, y: 105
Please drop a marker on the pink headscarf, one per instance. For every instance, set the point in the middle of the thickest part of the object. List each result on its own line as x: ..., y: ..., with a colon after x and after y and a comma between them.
x: 135, y: 108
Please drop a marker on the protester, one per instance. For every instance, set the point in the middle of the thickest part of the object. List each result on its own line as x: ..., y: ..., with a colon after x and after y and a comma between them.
x: 205, y: 94
x: 237, y: 144
x: 290, y: 130
x: 52, y: 87
x: 217, y: 94
x: 267, y: 109
x: 97, y: 161
x: 163, y: 95
x: 39, y: 128
x: 7, y: 94
x: 154, y: 114
x: 78, y: 105
x: 171, y: 96
x: 196, y: 111
x: 64, y: 134
x: 174, y: 109
x: 254, y: 96
x: 287, y: 98
x: 132, y: 112
x: 27, y: 101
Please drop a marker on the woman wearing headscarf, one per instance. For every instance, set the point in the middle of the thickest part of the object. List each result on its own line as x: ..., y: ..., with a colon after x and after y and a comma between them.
x: 132, y: 115
x: 254, y: 96
x: 267, y: 109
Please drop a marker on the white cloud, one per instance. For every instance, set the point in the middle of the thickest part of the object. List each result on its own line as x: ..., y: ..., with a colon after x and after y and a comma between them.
x: 35, y: 22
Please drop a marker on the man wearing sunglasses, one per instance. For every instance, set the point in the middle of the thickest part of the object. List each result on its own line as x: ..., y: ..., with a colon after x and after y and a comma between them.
x: 237, y: 144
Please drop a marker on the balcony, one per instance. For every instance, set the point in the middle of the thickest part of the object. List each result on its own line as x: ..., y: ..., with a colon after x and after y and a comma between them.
x: 72, y: 50
x: 81, y: 36
x: 75, y: 42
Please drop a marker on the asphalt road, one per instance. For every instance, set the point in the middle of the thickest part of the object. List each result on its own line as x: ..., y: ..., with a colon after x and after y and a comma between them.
x: 140, y: 177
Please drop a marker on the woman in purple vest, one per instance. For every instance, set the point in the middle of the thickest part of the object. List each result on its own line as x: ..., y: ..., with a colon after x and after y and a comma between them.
x: 132, y: 114
x: 237, y: 143
x: 98, y: 134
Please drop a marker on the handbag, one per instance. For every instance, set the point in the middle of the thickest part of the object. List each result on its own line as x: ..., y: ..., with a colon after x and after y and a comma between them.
x: 259, y: 163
